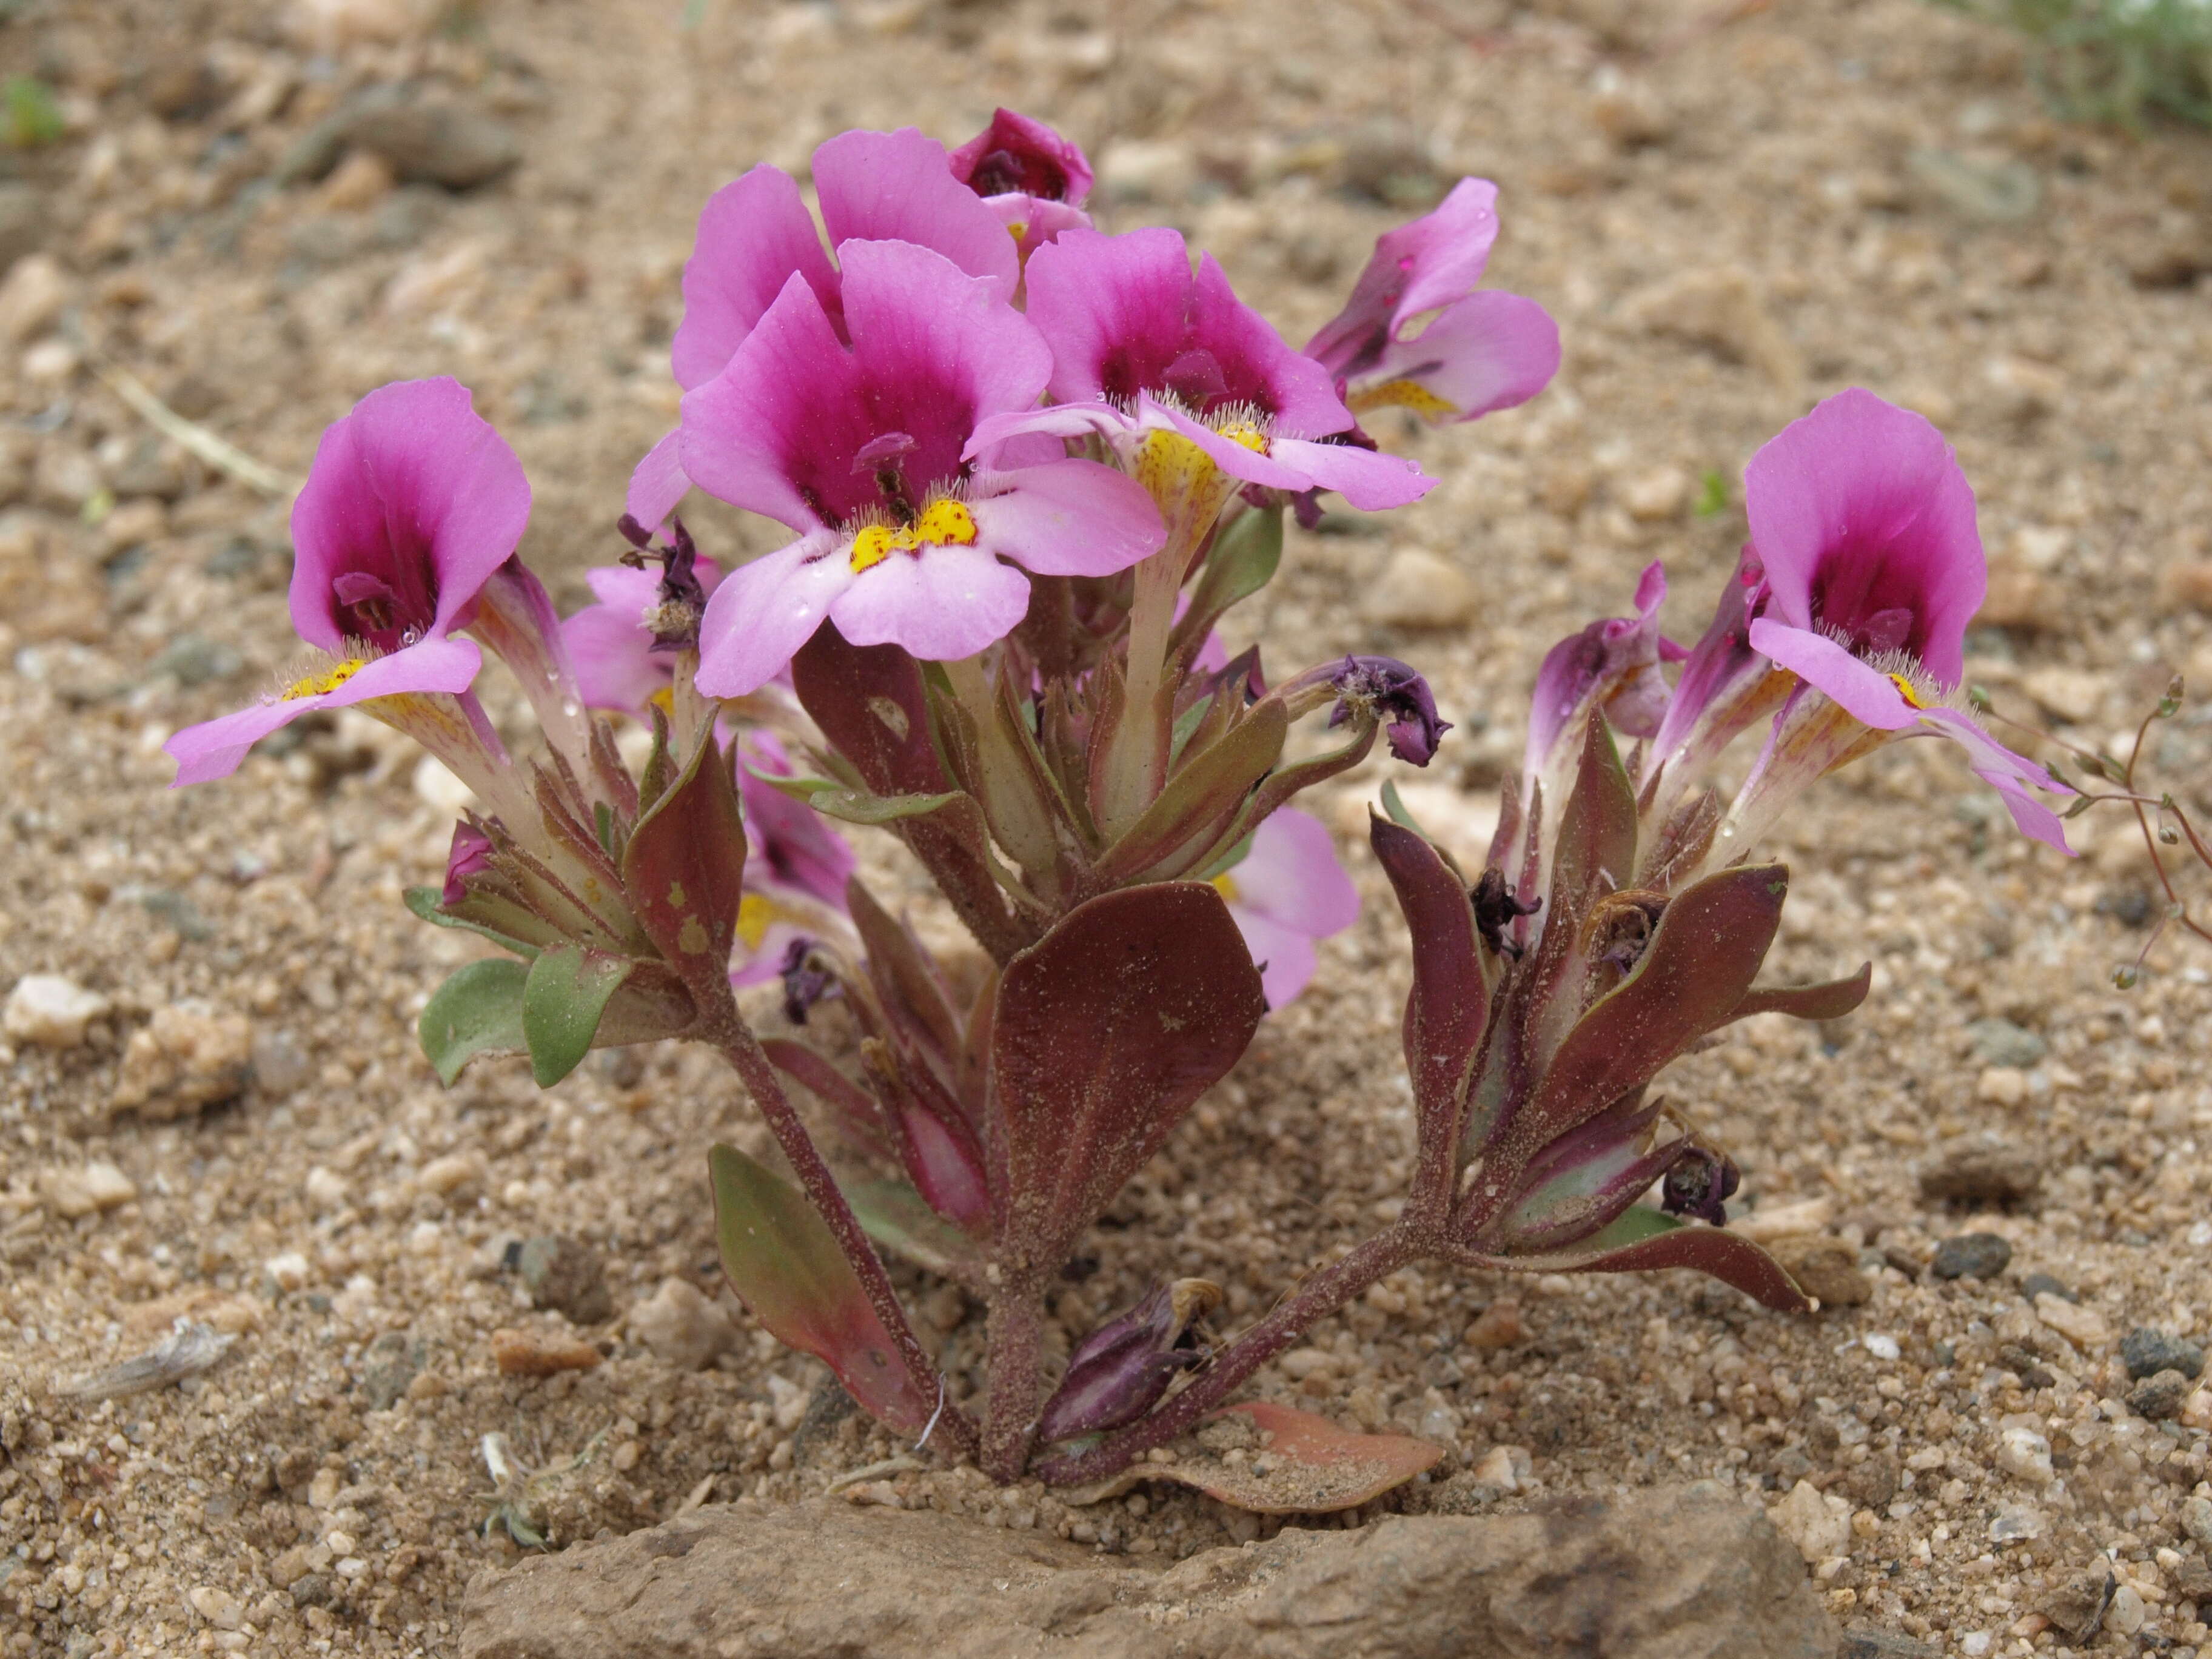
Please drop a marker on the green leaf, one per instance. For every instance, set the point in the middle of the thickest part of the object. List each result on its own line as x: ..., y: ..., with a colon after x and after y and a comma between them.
x: 896, y: 1215
x: 1243, y: 560
x: 852, y: 806
x: 785, y: 1265
x: 568, y: 990
x: 1395, y: 810
x: 428, y: 903
x: 477, y: 1011
x: 1201, y: 798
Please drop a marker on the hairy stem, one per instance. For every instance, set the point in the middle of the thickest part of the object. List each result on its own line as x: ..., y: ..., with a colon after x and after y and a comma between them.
x: 1014, y: 1344
x: 1320, y: 1295
x: 729, y: 1034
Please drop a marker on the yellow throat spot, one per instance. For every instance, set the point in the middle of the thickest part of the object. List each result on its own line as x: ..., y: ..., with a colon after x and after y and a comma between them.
x: 942, y: 524
x: 754, y: 916
x: 1243, y: 432
x: 321, y: 685
x: 1402, y: 394
x: 1912, y: 698
x: 1225, y: 885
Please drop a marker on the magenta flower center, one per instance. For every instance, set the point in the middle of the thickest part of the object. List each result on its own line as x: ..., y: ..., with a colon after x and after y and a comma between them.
x: 1872, y: 600
x: 390, y: 597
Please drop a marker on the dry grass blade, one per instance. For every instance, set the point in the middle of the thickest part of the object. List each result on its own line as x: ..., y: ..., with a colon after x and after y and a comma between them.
x: 189, y: 1349
x: 217, y: 452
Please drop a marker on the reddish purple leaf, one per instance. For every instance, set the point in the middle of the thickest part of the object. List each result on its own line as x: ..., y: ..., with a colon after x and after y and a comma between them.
x: 1105, y: 1031
x: 1643, y: 1241
x: 685, y: 863
x: 784, y: 1263
x: 1830, y: 1000
x: 1450, y: 1003
x: 1702, y: 959
x: 1305, y: 1465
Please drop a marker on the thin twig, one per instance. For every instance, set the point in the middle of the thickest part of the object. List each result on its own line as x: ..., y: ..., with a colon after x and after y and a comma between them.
x: 217, y: 452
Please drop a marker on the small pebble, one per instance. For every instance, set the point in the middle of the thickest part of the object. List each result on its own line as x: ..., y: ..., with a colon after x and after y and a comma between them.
x: 98, y: 1186
x: 1825, y: 1267
x: 448, y: 1174
x: 2001, y: 1042
x: 1881, y: 1346
x: 1982, y: 1174
x: 2002, y: 1086
x: 2159, y: 1396
x: 1416, y: 589
x: 1971, y: 1256
x: 2085, y: 1327
x: 1498, y: 1325
x: 525, y: 1354
x: 218, y: 1607
x: 2036, y: 1285
x: 2025, y: 1455
x: 563, y: 1275
x: 2126, y: 1615
x: 2197, y: 1520
x: 2145, y: 1352
x: 190, y: 1055
x: 50, y: 1010
x: 683, y: 1327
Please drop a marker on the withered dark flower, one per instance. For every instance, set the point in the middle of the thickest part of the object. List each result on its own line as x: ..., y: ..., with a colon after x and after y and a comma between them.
x: 1495, y: 908
x: 1699, y: 1184
x: 1396, y: 693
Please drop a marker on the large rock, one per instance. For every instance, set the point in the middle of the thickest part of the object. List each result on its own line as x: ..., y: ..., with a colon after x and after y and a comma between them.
x: 1676, y: 1573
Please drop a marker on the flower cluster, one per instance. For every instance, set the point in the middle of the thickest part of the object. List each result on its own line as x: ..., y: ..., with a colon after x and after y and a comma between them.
x: 1027, y: 467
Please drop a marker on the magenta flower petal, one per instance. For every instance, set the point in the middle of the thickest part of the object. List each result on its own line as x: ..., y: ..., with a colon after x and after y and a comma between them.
x: 940, y: 603
x: 897, y: 187
x: 1019, y: 155
x: 1492, y: 350
x: 750, y: 434
x: 2011, y: 775
x: 1237, y: 460
x: 412, y: 503
x: 1126, y: 315
x: 1069, y: 518
x: 1865, y: 524
x: 754, y: 235
x: 1285, y: 955
x: 214, y: 749
x: 1421, y: 266
x: 1287, y: 891
x: 1613, y: 663
x: 1368, y: 479
x: 764, y: 610
x: 657, y: 483
x: 1291, y: 874
x: 1868, y: 695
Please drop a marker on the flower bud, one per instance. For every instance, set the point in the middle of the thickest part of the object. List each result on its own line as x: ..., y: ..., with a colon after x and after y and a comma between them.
x: 1118, y: 1371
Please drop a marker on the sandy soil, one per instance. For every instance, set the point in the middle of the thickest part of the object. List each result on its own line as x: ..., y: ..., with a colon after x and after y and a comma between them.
x: 1729, y: 215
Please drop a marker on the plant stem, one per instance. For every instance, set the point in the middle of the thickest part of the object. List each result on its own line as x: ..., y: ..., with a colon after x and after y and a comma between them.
x: 1320, y: 1295
x: 1014, y: 1344
x: 729, y: 1034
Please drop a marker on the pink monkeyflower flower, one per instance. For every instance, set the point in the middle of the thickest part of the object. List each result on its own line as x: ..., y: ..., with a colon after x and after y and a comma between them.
x: 857, y: 441
x: 1871, y: 568
x: 754, y: 235
x: 1030, y: 177
x: 1287, y: 892
x: 1196, y: 390
x: 404, y: 534
x: 469, y: 855
x: 1480, y: 350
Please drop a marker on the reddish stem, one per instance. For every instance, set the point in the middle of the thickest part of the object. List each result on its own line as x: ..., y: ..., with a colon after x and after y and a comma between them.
x: 727, y: 1031
x: 1014, y: 1345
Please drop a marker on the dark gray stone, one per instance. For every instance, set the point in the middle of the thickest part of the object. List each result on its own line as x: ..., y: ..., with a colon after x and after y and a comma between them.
x: 427, y: 134
x: 2159, y: 1396
x: 392, y: 1362
x: 2036, y: 1285
x: 2145, y: 1352
x: 1869, y: 1644
x: 1971, y: 1256
x: 1662, y: 1573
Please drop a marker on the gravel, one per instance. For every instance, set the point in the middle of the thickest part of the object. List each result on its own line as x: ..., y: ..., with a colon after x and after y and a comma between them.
x: 1971, y: 1256
x: 1768, y: 229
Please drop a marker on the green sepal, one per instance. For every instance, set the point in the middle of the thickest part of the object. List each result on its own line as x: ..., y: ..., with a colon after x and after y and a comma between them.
x: 477, y: 1011
x: 428, y: 903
